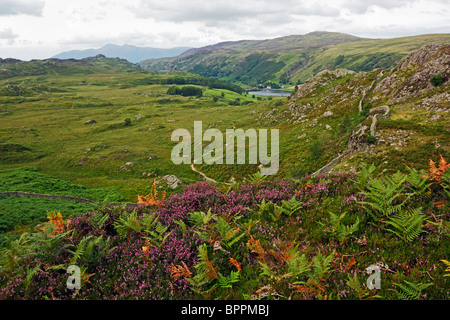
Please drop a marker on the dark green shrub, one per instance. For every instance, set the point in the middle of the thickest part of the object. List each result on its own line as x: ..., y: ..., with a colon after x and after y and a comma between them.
x: 316, y: 150
x: 371, y: 139
x: 345, y: 125
x: 366, y: 109
x: 185, y: 91
x: 437, y: 80
x: 126, y: 122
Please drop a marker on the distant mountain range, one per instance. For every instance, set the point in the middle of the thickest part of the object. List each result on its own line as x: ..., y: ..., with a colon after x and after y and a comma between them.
x: 131, y: 53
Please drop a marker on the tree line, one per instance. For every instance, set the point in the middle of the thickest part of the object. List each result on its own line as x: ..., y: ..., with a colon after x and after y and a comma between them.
x: 199, y: 81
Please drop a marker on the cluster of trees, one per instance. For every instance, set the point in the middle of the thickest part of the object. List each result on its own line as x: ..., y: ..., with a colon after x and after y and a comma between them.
x: 199, y: 81
x: 185, y: 91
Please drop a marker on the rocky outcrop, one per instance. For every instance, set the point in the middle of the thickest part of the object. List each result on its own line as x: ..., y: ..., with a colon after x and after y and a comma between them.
x: 413, y: 73
x: 171, y: 180
x: 408, y: 87
x: 320, y: 79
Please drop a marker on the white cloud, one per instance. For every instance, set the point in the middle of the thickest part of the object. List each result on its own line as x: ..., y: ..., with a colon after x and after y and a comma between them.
x: 362, y: 6
x: 16, y: 7
x: 34, y: 28
x: 228, y: 10
x: 9, y: 35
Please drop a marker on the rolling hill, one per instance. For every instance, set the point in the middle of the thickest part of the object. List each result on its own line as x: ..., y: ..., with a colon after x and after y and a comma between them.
x: 10, y: 68
x: 291, y: 59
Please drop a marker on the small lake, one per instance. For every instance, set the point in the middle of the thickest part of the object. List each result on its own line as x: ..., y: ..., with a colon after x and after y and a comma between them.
x: 267, y: 92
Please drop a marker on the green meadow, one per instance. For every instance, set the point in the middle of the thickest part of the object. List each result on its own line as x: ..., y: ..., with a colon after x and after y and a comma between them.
x: 104, y: 131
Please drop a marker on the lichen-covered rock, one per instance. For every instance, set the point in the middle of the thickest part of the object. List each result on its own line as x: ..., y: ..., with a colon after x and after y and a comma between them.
x: 320, y: 79
x: 414, y: 72
x: 171, y: 180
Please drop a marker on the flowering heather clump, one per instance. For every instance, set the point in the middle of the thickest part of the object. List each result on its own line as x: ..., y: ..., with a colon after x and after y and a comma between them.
x: 284, y: 238
x: 197, y: 197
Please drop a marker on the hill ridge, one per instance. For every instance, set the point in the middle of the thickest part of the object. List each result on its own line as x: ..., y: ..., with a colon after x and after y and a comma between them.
x: 285, y: 61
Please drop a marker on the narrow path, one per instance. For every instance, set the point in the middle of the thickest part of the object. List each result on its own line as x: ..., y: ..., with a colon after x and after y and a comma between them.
x: 366, y: 92
x: 202, y: 174
x: 59, y: 197
x: 83, y: 200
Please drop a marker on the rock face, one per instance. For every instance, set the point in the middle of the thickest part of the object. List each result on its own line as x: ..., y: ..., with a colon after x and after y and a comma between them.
x: 358, y: 140
x: 320, y: 79
x: 413, y: 73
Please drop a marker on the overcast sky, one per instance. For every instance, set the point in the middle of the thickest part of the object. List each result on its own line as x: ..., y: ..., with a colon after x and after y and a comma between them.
x: 38, y: 29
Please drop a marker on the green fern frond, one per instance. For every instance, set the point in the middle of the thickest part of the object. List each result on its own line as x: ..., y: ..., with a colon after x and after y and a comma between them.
x: 365, y: 175
x: 158, y: 236
x: 298, y: 265
x: 418, y: 183
x: 321, y: 265
x: 396, y: 180
x: 199, y: 218
x: 30, y: 272
x: 228, y: 234
x: 385, y: 196
x: 223, y: 227
x: 447, y: 264
x: 256, y: 178
x: 160, y: 228
x: 89, y: 251
x: 98, y: 219
x: 292, y: 206
x: 149, y: 221
x: 248, y: 226
x: 128, y: 222
x: 234, y: 239
x: 407, y: 225
x: 276, y: 213
x: 339, y: 230
x: 409, y: 290
x: 264, y: 206
x: 266, y: 271
x: 227, y: 282
x: 79, y: 250
x: 353, y: 283
x: 362, y: 292
x: 205, y: 270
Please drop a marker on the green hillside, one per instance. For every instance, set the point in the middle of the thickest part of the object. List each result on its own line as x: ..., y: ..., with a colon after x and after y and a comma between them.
x: 291, y: 59
x: 99, y: 64
x: 363, y: 182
